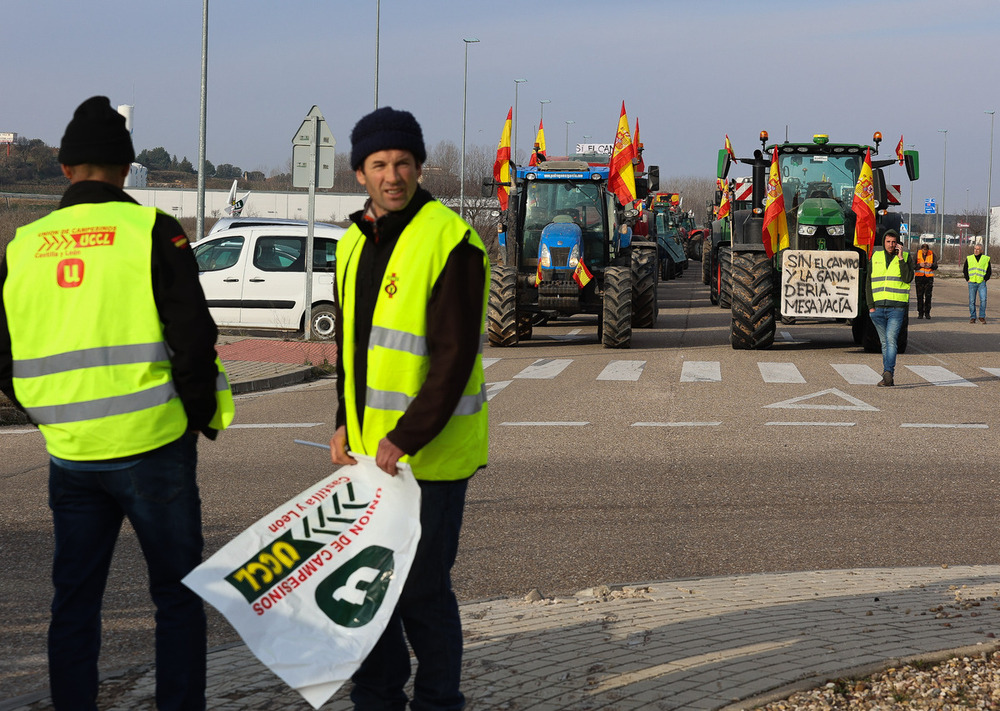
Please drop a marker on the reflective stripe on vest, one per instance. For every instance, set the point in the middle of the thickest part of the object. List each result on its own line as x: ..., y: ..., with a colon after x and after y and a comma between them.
x: 96, y: 393
x: 398, y: 358
x: 887, y: 282
x: 977, y: 269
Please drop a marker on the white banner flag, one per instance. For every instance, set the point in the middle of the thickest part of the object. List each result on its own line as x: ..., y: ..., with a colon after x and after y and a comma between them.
x: 311, y: 586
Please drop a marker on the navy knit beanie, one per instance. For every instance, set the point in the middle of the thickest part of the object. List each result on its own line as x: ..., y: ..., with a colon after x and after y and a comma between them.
x: 386, y: 129
x: 97, y: 135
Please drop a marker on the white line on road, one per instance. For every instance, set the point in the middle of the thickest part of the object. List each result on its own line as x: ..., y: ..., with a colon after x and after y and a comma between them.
x: 622, y: 370
x: 276, y: 425
x: 544, y: 368
x: 544, y: 424
x: 493, y: 388
x: 948, y: 426
x: 780, y: 373
x: 804, y: 402
x: 701, y: 371
x: 487, y: 362
x: 936, y: 375
x: 858, y: 374
x: 810, y: 424
x: 573, y: 335
x: 7, y: 432
x: 993, y: 371
x: 677, y: 424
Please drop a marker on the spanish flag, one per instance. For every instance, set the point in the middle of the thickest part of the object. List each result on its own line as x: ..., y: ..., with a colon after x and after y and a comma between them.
x: 899, y: 150
x: 729, y: 149
x: 539, y: 149
x: 582, y: 275
x: 640, y: 164
x: 621, y: 180
x: 864, y: 207
x: 724, y: 204
x: 501, y: 167
x: 775, y: 232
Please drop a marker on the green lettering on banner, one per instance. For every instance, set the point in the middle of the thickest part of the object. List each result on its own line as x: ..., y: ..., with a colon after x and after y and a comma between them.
x: 353, y: 593
x: 271, y: 565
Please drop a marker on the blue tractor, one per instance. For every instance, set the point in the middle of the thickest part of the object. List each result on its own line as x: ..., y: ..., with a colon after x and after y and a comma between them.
x: 567, y: 247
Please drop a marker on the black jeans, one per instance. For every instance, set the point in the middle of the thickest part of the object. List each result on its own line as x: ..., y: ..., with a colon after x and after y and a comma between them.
x: 427, y: 613
x: 925, y: 287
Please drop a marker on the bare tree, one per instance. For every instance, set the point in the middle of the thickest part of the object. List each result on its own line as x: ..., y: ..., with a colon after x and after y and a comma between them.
x: 696, y: 192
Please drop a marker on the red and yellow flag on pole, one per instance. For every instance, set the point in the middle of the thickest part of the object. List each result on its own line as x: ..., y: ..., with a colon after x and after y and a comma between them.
x: 775, y: 233
x: 621, y: 180
x: 899, y: 150
x: 864, y: 207
x: 729, y: 150
x: 582, y: 275
x: 501, y: 167
x: 724, y: 204
x: 539, y: 147
x: 640, y: 165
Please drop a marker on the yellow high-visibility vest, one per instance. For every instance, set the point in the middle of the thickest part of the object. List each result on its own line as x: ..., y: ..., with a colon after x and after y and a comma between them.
x: 90, y: 365
x: 398, y: 358
x: 887, y: 283
x: 977, y: 269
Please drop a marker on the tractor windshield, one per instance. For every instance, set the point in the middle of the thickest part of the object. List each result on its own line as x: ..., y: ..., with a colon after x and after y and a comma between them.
x: 810, y: 176
x: 564, y: 201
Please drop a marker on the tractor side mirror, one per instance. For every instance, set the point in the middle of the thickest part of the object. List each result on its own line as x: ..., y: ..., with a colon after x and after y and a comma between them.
x: 487, y: 187
x: 912, y: 161
x: 723, y: 164
x: 653, y: 178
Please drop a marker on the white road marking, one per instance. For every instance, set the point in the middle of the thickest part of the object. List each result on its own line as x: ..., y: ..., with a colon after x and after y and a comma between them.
x: 493, y: 388
x: 993, y: 371
x: 544, y: 368
x: 677, y: 424
x: 936, y: 375
x: 487, y: 362
x: 7, y: 432
x: 276, y: 425
x: 701, y: 371
x: 810, y: 424
x: 801, y: 402
x: 858, y: 374
x: 573, y: 335
x: 622, y: 370
x: 947, y: 426
x: 544, y: 424
x: 787, y: 335
x: 780, y: 373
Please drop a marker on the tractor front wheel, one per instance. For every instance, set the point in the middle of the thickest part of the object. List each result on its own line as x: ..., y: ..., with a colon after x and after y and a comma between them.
x: 752, y: 301
x: 616, y: 324
x: 644, y: 277
x: 502, y: 323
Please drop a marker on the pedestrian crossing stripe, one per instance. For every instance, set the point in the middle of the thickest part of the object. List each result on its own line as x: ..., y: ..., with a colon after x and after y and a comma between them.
x: 802, y: 402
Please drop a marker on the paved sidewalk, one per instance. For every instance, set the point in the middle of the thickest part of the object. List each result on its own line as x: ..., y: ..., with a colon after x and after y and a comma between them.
x: 710, y: 643
x: 255, y: 364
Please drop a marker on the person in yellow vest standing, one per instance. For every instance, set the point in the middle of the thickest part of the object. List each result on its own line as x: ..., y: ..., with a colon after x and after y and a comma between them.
x: 412, y: 285
x: 924, y: 279
x: 106, y: 343
x: 889, y: 275
x: 977, y: 272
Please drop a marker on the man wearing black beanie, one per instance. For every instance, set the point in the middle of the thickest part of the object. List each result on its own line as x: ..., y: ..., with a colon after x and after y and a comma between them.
x: 412, y: 284
x: 107, y: 344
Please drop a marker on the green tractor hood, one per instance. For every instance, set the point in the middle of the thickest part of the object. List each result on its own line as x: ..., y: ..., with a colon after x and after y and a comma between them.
x: 820, y: 212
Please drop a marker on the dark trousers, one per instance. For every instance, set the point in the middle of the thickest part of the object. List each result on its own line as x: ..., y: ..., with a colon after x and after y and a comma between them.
x: 159, y: 495
x: 427, y: 614
x: 925, y: 287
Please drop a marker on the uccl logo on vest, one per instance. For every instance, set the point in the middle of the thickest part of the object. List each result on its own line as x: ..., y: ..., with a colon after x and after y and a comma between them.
x: 353, y: 593
x: 69, y: 273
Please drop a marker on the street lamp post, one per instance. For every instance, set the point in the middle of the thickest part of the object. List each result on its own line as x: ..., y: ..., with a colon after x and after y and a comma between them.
x: 199, y: 230
x: 513, y: 155
x: 989, y: 184
x: 944, y: 182
x: 541, y: 113
x: 465, y: 96
x: 378, y: 13
x: 567, y: 137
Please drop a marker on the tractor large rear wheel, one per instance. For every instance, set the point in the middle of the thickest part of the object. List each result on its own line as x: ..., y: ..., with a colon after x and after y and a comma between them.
x: 706, y: 269
x: 502, y: 326
x: 644, y: 278
x: 616, y: 331
x: 753, y: 301
x: 726, y: 277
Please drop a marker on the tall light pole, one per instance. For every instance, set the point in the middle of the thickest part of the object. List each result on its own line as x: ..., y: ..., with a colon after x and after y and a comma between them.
x: 541, y: 113
x: 513, y: 154
x: 989, y: 184
x: 909, y: 232
x: 567, y: 137
x: 199, y: 230
x: 944, y: 182
x: 378, y: 13
x: 465, y: 95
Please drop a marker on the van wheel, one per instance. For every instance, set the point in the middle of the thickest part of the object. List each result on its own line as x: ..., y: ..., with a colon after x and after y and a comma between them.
x: 324, y: 322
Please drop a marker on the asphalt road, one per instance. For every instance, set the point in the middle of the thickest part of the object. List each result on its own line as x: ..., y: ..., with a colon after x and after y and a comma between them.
x: 600, y: 481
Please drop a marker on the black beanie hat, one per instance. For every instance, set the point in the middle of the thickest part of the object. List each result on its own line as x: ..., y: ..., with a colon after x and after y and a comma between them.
x: 385, y: 129
x: 97, y: 134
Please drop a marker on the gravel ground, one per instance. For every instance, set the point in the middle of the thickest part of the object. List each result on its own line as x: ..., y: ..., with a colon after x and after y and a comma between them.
x: 971, y: 682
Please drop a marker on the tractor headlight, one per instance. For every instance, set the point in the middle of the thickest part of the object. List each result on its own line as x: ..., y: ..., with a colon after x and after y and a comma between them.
x: 835, y: 230
x: 544, y: 258
x: 807, y: 230
x: 574, y: 256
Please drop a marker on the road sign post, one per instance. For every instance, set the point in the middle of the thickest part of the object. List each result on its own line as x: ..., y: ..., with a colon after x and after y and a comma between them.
x: 312, y: 167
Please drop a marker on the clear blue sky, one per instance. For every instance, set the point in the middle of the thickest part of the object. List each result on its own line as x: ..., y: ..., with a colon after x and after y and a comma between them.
x: 691, y: 71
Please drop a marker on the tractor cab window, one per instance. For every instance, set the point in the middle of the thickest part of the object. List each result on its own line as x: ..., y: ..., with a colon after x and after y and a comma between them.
x: 818, y: 176
x: 577, y: 202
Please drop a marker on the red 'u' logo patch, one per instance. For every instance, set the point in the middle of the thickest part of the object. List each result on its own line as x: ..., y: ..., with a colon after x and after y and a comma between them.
x: 69, y: 273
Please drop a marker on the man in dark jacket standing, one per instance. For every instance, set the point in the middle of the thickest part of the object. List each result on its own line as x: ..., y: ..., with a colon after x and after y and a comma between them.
x: 412, y: 281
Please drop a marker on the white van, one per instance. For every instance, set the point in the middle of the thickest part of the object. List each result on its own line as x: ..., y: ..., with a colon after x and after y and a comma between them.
x: 254, y: 276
